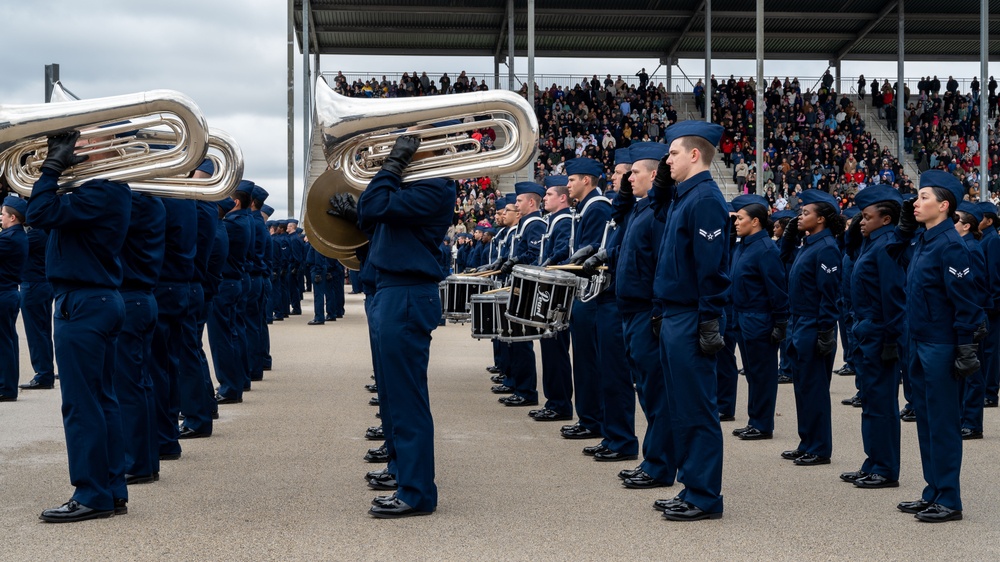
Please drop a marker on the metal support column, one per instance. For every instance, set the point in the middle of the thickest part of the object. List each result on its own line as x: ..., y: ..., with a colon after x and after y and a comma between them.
x: 510, y: 45
x: 531, y: 75
x: 900, y: 89
x: 306, y: 104
x: 51, y: 77
x: 670, y: 80
x: 836, y: 70
x: 708, y: 61
x: 496, y: 73
x: 759, y: 119
x: 984, y: 72
x: 291, y: 105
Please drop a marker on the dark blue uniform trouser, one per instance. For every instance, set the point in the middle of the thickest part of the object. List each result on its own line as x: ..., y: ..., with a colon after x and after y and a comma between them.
x: 974, y: 396
x: 691, y: 387
x: 335, y: 294
x: 206, y: 374
x: 371, y: 311
x: 728, y: 374
x: 879, y: 381
x: 10, y: 305
x: 319, y: 299
x: 586, y: 380
x: 812, y: 387
x: 255, y: 328
x: 616, y: 388
x: 294, y: 288
x: 523, y: 370
x: 991, y: 357
x: 279, y: 297
x: 86, y: 327
x: 266, y: 292
x: 557, y: 373
x: 227, y: 347
x: 195, y: 398
x: 937, y: 403
x: 134, y: 385
x: 241, y: 329
x: 846, y: 329
x: 406, y: 317
x: 785, y: 363
x: 760, y: 365
x: 643, y: 353
x: 36, y: 313
x: 355, y: 281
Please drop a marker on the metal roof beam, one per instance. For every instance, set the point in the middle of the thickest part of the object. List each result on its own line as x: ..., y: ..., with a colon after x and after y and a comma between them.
x: 684, y: 32
x: 500, y: 38
x: 604, y: 32
x: 866, y: 30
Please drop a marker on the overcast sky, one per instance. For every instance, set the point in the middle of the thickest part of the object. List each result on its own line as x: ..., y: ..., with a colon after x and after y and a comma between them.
x: 230, y: 57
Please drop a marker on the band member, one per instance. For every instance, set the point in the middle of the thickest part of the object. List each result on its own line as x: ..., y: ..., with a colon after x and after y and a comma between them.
x: 228, y: 349
x: 781, y: 220
x: 13, y: 254
x: 968, y: 217
x: 991, y: 345
x: 36, y: 311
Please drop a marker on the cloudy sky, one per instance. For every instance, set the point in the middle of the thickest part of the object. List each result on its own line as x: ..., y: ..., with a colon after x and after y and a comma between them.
x: 230, y: 57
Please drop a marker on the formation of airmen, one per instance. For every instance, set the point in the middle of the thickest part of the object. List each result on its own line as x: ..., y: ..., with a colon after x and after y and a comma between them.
x: 118, y: 287
x: 911, y: 284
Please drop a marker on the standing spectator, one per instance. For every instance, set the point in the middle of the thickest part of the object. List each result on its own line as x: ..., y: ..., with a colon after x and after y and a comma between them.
x: 861, y: 87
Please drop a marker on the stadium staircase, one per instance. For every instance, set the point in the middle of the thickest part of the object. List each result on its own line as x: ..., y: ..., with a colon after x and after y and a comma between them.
x: 883, y: 135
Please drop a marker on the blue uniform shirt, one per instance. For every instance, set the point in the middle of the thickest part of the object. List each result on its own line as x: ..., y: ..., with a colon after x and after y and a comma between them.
x: 692, y: 268
x: 530, y: 230
x: 814, y: 280
x: 182, y: 240
x: 238, y: 231
x: 979, y: 275
x: 216, y: 259
x: 991, y: 251
x: 34, y: 267
x: 261, y: 240
x: 592, y: 216
x: 208, y: 217
x: 877, y: 285
x: 142, y: 255
x: 635, y: 265
x: 84, y: 225
x: 13, y: 255
x: 556, y: 247
x: 758, y: 276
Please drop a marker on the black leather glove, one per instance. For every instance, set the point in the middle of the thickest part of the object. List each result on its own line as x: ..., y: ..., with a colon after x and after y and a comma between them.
x: 317, y: 278
x: 343, y: 205
x: 907, y: 222
x: 853, y: 239
x: 490, y: 266
x: 890, y: 352
x: 546, y: 263
x: 329, y: 276
x: 663, y: 181
x: 591, y: 264
x: 401, y: 155
x: 60, y: 155
x: 732, y: 229
x: 792, y: 230
x: 709, y: 338
x: 981, y: 332
x: 779, y: 331
x: 966, y: 361
x: 470, y: 270
x: 656, y: 322
x: 508, y: 266
x: 826, y: 341
x: 625, y: 186
x: 581, y: 255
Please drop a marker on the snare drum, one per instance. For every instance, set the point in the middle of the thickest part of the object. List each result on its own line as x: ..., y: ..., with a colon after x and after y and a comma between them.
x: 540, y: 298
x: 486, y: 315
x: 456, y: 296
x: 512, y: 331
x: 443, y: 293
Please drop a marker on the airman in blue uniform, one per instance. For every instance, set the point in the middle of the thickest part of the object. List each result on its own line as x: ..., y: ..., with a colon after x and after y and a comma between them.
x: 780, y: 220
x: 257, y: 335
x: 13, y: 255
x: 973, y: 387
x: 36, y: 311
x: 990, y: 244
x: 851, y: 245
x: 228, y: 348
x: 316, y: 263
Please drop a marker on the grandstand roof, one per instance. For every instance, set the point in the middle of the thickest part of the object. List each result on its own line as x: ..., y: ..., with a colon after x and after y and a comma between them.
x: 794, y: 29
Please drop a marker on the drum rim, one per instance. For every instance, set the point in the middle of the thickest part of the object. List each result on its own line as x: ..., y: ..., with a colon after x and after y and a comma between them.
x: 538, y: 274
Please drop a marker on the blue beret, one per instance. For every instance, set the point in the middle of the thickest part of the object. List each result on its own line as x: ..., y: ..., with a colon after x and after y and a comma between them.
x: 509, y: 199
x: 556, y: 181
x: 227, y: 204
x: 876, y: 194
x: 964, y: 206
x: 490, y: 230
x: 987, y: 207
x: 259, y: 193
x: 648, y: 151
x: 268, y: 224
x: 282, y: 223
x: 245, y: 186
x: 206, y: 166
x: 940, y: 178
x: 522, y: 187
x: 909, y: 197
x: 623, y: 156
x: 810, y: 196
x: 851, y: 212
x: 585, y: 166
x: 293, y: 221
x: 16, y: 203
x: 730, y: 208
x: 479, y: 228
x: 786, y: 214
x: 267, y: 210
x: 741, y: 201
x: 695, y: 128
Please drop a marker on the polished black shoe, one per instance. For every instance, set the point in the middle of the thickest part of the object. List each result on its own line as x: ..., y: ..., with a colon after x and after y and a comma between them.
x: 376, y: 456
x: 331, y: 318
x: 121, y: 506
x: 170, y: 457
x: 754, y: 434
x: 968, y: 433
x: 853, y: 476
x: 989, y: 403
x: 551, y: 415
x: 382, y: 500
x: 380, y: 473
x: 296, y: 313
x: 378, y: 415
x: 608, y: 455
x: 726, y: 417
x: 913, y: 507
x: 493, y: 369
x: 579, y: 432
x: 373, y: 401
x: 188, y: 433
x: 687, y: 512
x: 515, y: 400
x: 852, y: 401
x: 215, y: 415
x: 73, y: 511
x: 643, y: 481
x: 35, y: 385
x: 220, y: 399
x: 133, y: 479
x: 502, y: 389
x: 8, y: 398
x: 792, y: 454
x: 395, y: 509
x: 375, y: 433
x: 875, y: 481
x: 845, y: 371
x: 630, y: 472
x: 371, y: 387
x: 908, y: 415
x: 663, y: 505
x: 497, y: 379
x: 937, y: 513
x: 740, y: 430
x: 385, y: 482
x: 315, y: 323
x: 594, y: 449
x: 811, y: 460
x: 784, y: 379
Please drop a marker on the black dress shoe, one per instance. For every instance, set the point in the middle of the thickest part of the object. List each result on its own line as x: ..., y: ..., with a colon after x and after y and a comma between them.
x: 687, y: 512
x: 215, y: 415
x: 170, y: 457
x: 630, y: 472
x: 989, y: 403
x: 394, y: 510
x: 331, y: 318
x: 502, y: 389
x: 908, y: 415
x: 375, y: 433
x: 594, y: 449
x: 850, y: 401
x: 515, y: 400
x: 73, y: 511
x: 968, y: 433
x: 551, y: 415
x: 726, y: 417
x: 371, y: 387
x: 497, y: 379
x: 754, y: 434
x: 387, y: 482
x: 740, y: 430
x: 811, y: 460
x: 493, y: 369
x: 913, y: 507
x: 188, y: 433
x: 937, y: 513
x: 613, y: 456
x: 373, y: 401
x: 663, y: 505
x: 875, y: 481
x: 35, y: 385
x: 570, y: 427
x: 376, y: 456
x: 315, y: 323
x: 792, y: 455
x: 133, y: 479
x: 8, y: 398
x: 845, y: 371
x: 853, y: 476
x: 784, y: 379
x: 220, y: 399
x: 579, y: 432
x: 643, y: 481
x: 121, y: 506
x: 380, y: 473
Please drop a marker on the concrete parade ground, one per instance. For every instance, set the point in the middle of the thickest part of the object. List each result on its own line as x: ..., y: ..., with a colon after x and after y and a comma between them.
x: 282, y: 479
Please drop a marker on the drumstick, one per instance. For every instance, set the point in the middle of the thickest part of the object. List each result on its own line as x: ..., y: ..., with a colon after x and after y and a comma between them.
x: 485, y: 273
x: 571, y: 267
x: 495, y: 291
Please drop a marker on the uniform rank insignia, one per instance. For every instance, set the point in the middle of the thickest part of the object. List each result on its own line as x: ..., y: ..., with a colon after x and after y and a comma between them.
x: 828, y: 269
x: 957, y: 273
x: 710, y: 235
